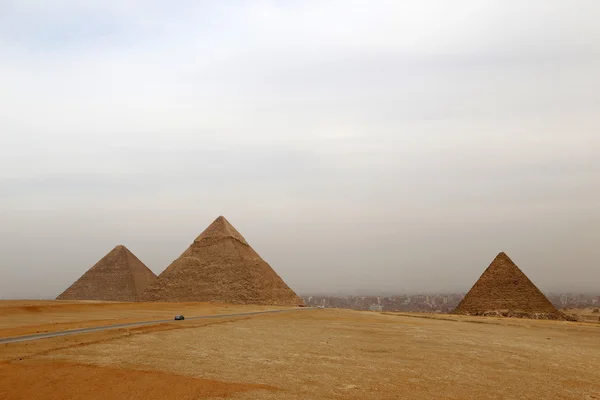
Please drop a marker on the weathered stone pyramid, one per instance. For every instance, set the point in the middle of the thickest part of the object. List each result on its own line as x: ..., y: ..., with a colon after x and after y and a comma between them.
x: 504, y: 288
x: 118, y: 276
x: 221, y: 266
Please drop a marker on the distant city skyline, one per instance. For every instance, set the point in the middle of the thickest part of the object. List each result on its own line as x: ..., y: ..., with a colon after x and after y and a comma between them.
x: 439, y: 302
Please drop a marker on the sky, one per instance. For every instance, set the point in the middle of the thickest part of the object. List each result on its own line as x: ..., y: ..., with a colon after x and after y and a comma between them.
x: 361, y: 147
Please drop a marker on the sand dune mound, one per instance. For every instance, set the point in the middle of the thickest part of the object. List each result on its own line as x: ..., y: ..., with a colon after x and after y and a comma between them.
x: 118, y: 276
x: 503, y: 289
x: 221, y: 266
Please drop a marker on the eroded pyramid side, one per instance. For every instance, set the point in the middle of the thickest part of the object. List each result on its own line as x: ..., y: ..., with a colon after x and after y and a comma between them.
x: 118, y: 276
x: 220, y: 266
x: 503, y: 287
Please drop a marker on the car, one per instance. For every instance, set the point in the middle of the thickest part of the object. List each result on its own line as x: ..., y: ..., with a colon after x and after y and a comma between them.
x: 179, y: 318
x: 320, y: 306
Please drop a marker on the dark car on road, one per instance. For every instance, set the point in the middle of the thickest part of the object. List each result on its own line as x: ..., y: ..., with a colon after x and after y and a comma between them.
x: 179, y: 318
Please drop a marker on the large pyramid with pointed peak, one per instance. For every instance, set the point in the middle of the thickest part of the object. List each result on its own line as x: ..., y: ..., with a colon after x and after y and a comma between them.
x: 118, y: 276
x: 221, y: 266
x: 503, y: 287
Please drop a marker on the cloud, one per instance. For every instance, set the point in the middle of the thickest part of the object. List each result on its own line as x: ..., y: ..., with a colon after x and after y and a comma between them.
x: 340, y: 137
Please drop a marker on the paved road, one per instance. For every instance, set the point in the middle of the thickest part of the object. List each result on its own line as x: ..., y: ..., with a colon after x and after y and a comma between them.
x: 46, y: 335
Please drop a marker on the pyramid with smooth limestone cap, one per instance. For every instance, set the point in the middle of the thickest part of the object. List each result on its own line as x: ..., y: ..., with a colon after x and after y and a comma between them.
x: 118, y: 276
x: 503, y: 287
x: 220, y: 266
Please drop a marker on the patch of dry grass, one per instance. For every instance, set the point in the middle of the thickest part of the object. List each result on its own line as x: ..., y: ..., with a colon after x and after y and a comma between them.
x: 342, y: 354
x: 23, y: 317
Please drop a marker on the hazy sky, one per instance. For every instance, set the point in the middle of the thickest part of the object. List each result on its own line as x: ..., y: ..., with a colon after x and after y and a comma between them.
x: 359, y: 146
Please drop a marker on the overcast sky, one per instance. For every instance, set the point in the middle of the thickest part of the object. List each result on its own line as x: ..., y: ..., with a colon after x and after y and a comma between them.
x: 359, y: 146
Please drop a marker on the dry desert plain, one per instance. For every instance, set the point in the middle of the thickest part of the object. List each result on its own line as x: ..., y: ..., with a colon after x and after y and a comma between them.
x: 303, y: 354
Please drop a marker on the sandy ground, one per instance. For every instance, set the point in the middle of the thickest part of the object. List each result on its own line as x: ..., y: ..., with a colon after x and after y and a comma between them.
x: 586, y: 314
x: 21, y: 317
x: 314, y: 354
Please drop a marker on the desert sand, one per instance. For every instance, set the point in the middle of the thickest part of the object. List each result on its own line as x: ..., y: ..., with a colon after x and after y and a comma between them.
x: 306, y: 354
x: 39, y: 316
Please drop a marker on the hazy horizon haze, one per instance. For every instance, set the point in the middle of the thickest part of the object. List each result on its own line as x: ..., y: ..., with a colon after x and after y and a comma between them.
x: 359, y: 147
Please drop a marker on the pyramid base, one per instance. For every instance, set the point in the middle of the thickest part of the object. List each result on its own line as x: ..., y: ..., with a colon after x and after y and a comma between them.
x: 156, y: 299
x: 554, y: 316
